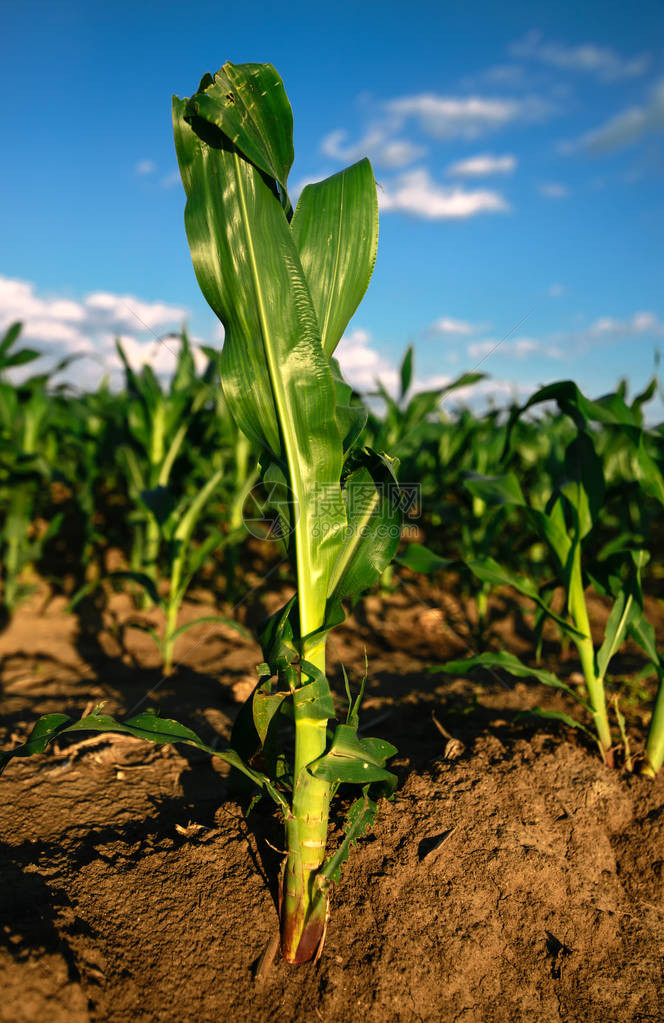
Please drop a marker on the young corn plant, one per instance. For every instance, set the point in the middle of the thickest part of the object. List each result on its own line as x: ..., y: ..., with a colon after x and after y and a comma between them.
x: 566, y: 523
x: 28, y: 456
x: 284, y: 284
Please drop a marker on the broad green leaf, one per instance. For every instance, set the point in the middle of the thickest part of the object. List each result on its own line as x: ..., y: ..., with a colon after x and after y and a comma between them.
x: 249, y: 105
x: 11, y: 335
x: 147, y: 725
x: 353, y: 760
x: 489, y: 571
x: 276, y: 637
x: 565, y: 719
x: 160, y: 501
x: 643, y: 633
x: 420, y: 559
x: 187, y: 523
x: 513, y: 666
x: 623, y: 611
x: 406, y: 371
x: 496, y: 490
x: 264, y: 707
x: 584, y: 488
x: 313, y: 700
x: 276, y: 377
x: 351, y: 419
x: 371, y: 495
x: 335, y: 229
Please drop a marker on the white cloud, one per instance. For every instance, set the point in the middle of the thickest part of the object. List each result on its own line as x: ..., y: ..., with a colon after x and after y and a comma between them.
x: 483, y: 165
x: 416, y: 193
x: 63, y: 327
x: 376, y: 144
x: 553, y: 190
x: 448, y: 325
x: 505, y: 75
x: 639, y: 324
x: 556, y: 290
x: 145, y: 167
x: 519, y: 348
x: 125, y: 312
x: 601, y: 61
x: 446, y: 117
x: 362, y: 365
x: 629, y: 126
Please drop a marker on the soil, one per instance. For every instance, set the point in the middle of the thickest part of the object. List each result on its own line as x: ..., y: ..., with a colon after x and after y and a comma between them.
x: 512, y: 878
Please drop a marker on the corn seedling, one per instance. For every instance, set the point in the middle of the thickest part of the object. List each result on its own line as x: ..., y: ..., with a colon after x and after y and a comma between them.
x: 565, y: 524
x: 27, y: 456
x: 284, y: 284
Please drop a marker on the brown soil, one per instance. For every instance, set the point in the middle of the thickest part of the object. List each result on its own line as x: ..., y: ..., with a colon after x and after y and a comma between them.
x: 513, y: 877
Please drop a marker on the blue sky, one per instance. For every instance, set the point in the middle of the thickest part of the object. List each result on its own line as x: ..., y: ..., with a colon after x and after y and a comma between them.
x: 518, y: 148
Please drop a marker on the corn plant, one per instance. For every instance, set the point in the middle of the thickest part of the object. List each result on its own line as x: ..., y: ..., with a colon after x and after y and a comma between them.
x: 284, y: 284
x: 27, y: 466
x: 565, y: 523
x: 175, y: 522
x: 157, y: 423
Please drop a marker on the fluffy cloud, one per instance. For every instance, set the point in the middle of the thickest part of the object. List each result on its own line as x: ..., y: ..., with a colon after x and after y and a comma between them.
x: 448, y: 326
x: 482, y: 166
x: 417, y: 194
x: 640, y: 324
x: 448, y: 117
x: 629, y: 126
x: 601, y: 61
x: 376, y: 144
x: 63, y: 327
x: 362, y: 365
x: 519, y: 348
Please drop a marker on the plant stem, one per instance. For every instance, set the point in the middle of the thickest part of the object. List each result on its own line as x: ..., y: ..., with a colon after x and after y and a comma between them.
x: 655, y: 746
x: 594, y: 682
x: 304, y: 905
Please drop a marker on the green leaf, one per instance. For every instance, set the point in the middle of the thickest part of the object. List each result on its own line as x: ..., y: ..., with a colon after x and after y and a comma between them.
x: 335, y: 229
x: 513, y: 666
x: 353, y: 760
x: 585, y: 486
x: 141, y: 579
x: 360, y: 817
x: 264, y: 708
x: 188, y: 521
x: 313, y: 700
x: 489, y: 571
x: 11, y: 335
x: 406, y: 371
x: 147, y: 725
x: 643, y: 633
x: 496, y: 490
x: 275, y: 375
x: 622, y: 611
x: 216, y: 619
x: 160, y: 501
x: 420, y: 559
x: 371, y: 496
x: 275, y: 636
x: 559, y: 715
x: 248, y: 103
x: 351, y: 418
